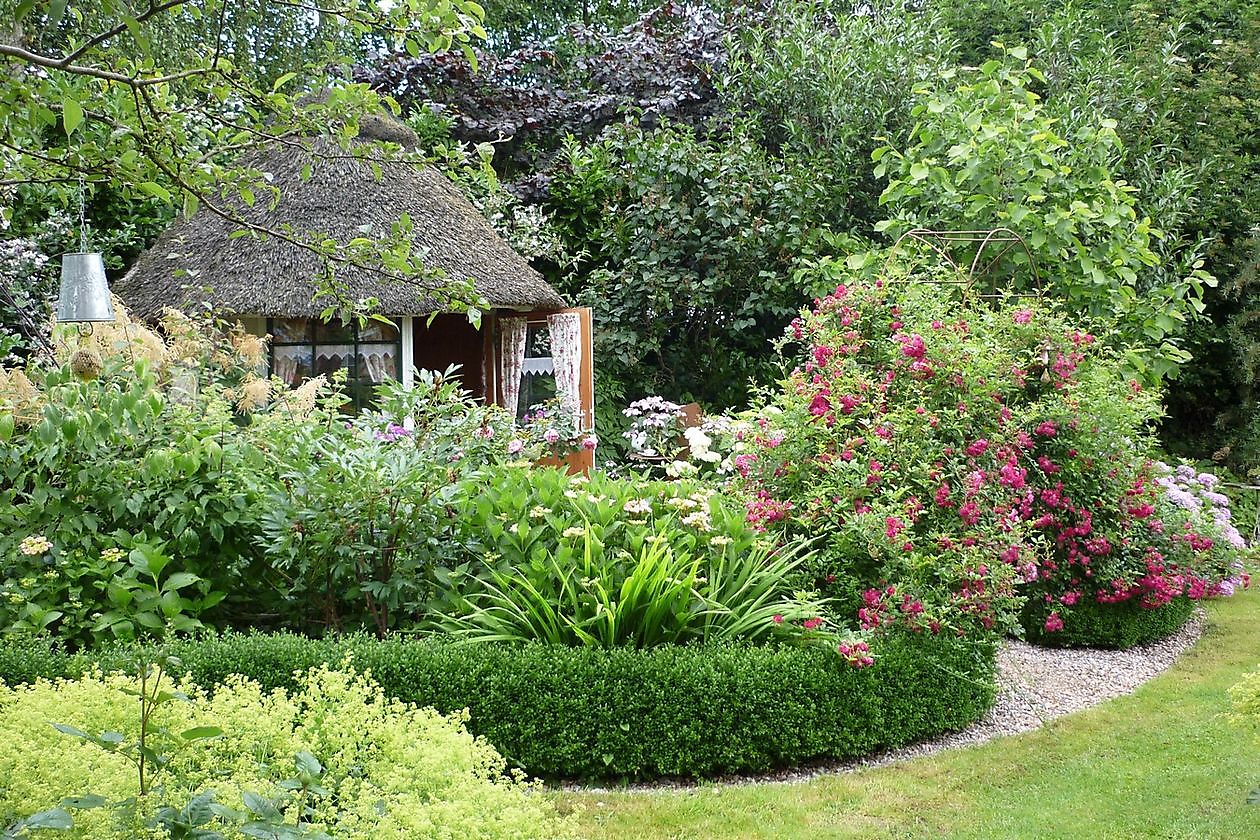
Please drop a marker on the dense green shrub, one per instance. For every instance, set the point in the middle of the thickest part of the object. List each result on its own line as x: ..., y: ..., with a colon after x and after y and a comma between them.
x: 101, y: 467
x: 1181, y: 78
x: 960, y: 454
x: 985, y: 153
x: 669, y: 215
x: 1120, y: 626
x: 357, y: 512
x: 586, y: 712
x: 376, y: 768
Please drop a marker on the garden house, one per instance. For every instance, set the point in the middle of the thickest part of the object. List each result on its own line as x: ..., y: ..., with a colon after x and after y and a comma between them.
x: 528, y: 347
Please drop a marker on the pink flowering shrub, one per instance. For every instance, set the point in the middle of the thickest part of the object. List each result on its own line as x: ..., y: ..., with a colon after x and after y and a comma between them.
x: 957, y: 458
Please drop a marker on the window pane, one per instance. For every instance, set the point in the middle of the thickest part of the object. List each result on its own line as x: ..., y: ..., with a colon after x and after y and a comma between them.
x: 331, y: 357
x: 333, y: 333
x: 378, y: 362
x: 376, y: 331
x: 293, y: 364
x: 538, y: 342
x: 535, y: 389
x: 290, y: 330
x: 538, y: 380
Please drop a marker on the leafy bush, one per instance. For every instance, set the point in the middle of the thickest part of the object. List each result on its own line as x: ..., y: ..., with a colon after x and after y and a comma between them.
x: 1122, y: 625
x: 671, y: 215
x: 355, y: 509
x: 142, y: 488
x: 547, y: 88
x: 984, y: 153
x: 691, y: 710
x: 380, y: 767
x: 609, y: 562
x: 960, y: 454
x: 104, y: 467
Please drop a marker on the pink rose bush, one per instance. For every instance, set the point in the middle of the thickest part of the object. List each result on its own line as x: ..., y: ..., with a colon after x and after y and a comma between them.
x: 955, y: 460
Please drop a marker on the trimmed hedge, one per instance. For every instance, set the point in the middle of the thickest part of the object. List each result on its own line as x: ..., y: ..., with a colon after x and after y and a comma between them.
x: 624, y: 713
x: 1116, y: 626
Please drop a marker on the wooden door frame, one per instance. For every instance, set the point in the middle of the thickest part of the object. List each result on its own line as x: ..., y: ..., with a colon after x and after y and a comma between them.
x: 583, y: 460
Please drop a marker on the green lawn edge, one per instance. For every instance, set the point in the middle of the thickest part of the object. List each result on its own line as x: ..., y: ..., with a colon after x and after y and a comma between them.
x: 1161, y: 763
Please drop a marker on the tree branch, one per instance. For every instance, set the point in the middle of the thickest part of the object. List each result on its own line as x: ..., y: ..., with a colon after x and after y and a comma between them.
x: 97, y: 40
x: 95, y: 72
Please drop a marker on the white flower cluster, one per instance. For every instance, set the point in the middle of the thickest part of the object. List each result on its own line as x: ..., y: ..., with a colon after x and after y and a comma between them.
x: 35, y: 545
x: 656, y: 427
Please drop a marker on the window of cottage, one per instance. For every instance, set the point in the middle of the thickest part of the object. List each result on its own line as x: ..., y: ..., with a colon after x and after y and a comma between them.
x: 304, y: 347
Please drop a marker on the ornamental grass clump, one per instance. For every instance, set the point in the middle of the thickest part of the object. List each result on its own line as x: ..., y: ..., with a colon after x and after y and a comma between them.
x: 657, y: 597
x: 962, y: 456
x: 606, y: 562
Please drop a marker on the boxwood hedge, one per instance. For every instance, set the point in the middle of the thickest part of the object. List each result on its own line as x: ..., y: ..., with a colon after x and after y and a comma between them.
x: 1116, y: 626
x: 563, y: 713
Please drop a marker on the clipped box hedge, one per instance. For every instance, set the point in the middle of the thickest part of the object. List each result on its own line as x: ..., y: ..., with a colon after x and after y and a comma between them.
x: 565, y: 713
x: 1113, y: 626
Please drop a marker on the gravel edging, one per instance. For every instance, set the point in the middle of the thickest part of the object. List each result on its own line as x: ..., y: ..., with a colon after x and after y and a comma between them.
x: 1035, y: 686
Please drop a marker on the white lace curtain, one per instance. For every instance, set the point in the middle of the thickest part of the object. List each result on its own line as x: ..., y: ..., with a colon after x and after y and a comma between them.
x: 566, y: 354
x: 513, y: 332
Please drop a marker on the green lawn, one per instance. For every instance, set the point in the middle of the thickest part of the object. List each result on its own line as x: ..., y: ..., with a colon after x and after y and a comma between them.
x: 1161, y: 763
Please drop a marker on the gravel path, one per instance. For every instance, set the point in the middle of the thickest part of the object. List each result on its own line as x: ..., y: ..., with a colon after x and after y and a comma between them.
x: 1035, y: 686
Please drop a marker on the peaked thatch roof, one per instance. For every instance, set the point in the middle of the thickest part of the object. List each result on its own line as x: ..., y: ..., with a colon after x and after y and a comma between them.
x: 195, y: 261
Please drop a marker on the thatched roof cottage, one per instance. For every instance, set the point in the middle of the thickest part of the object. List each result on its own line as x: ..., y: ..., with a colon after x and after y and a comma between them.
x: 267, y: 284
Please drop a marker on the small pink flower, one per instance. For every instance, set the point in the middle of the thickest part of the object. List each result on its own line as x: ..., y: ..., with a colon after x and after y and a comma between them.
x: 551, y: 436
x: 590, y: 442
x: 1023, y: 316
x: 1054, y: 623
x: 1013, y: 475
x: 977, y: 448
x: 514, y: 447
x: 812, y: 623
x: 778, y: 619
x: 913, y: 346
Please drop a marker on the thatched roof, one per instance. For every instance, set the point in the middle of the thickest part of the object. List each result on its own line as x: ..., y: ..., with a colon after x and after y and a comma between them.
x: 195, y: 261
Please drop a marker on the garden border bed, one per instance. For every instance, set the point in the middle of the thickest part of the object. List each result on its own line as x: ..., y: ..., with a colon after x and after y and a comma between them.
x: 584, y: 713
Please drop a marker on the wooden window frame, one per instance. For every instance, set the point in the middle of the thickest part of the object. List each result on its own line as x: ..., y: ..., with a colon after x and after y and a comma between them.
x: 352, y: 369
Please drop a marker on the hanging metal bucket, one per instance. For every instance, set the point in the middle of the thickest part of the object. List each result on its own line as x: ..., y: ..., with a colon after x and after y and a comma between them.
x: 84, y: 294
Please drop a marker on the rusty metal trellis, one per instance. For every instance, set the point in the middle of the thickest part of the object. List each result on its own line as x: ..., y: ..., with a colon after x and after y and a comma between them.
x: 941, y: 241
